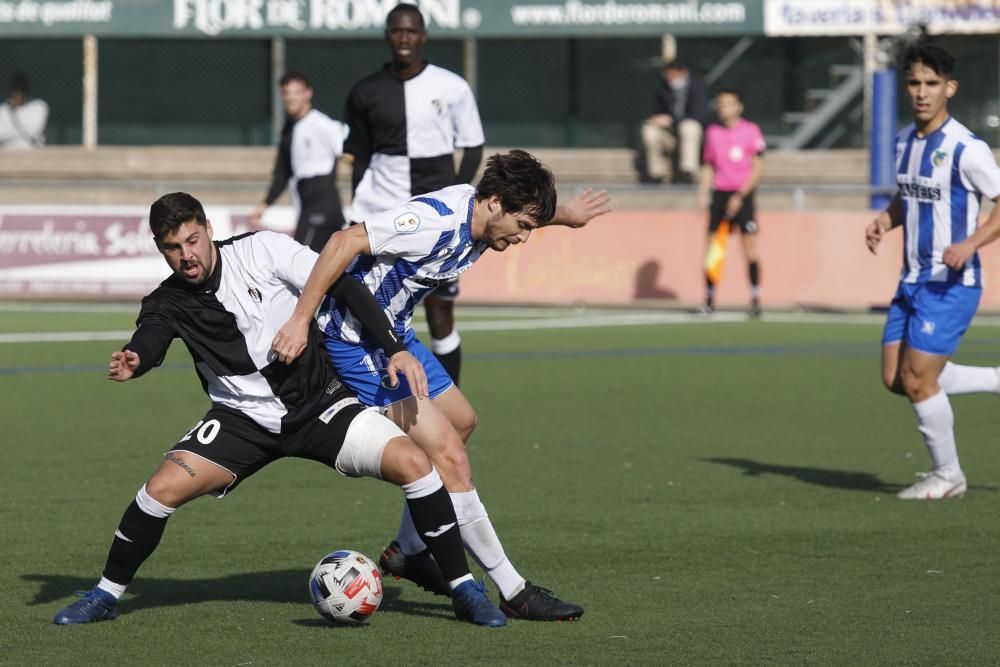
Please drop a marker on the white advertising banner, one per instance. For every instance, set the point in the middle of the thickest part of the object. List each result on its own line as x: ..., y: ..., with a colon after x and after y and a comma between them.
x: 96, y: 251
x: 883, y: 17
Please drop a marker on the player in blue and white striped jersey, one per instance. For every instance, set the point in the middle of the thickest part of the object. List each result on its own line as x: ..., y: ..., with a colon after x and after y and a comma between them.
x: 401, y: 255
x: 942, y: 172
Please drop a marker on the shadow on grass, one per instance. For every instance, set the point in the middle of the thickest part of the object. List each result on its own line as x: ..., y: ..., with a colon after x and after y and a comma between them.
x: 835, y: 479
x: 282, y: 586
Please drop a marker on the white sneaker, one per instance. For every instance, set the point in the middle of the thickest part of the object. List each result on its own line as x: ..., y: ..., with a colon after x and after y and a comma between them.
x: 934, y: 487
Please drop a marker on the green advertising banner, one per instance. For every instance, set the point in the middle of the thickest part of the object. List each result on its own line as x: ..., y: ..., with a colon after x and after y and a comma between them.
x: 364, y: 18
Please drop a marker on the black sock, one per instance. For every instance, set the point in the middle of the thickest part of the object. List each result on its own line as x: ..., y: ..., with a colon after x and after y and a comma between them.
x: 754, y: 274
x: 142, y: 533
x: 452, y: 362
x: 430, y: 514
x: 709, y: 292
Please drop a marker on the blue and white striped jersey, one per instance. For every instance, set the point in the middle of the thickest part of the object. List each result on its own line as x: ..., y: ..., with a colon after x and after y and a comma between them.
x: 941, y: 179
x: 415, y: 246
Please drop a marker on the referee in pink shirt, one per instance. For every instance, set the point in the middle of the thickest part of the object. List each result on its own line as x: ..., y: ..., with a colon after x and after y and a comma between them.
x: 731, y: 169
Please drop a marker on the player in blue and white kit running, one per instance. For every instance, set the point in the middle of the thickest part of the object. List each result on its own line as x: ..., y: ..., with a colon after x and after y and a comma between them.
x: 942, y: 172
x: 402, y: 254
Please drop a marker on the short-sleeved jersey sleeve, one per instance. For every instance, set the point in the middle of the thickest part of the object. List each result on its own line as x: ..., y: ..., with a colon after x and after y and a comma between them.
x: 979, y: 168
x: 336, y: 134
x: 406, y: 231
x: 287, y: 258
x: 467, y: 124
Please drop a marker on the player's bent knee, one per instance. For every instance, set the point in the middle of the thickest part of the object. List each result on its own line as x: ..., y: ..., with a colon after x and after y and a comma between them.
x: 452, y: 463
x: 465, y: 423
x: 366, y: 443
x: 404, y: 462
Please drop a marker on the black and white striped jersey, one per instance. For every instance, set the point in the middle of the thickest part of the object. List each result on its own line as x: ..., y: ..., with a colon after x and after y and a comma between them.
x: 408, y: 131
x: 308, y: 149
x: 228, y: 324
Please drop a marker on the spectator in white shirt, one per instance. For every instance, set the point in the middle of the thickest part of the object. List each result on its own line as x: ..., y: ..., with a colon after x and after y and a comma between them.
x: 22, y: 118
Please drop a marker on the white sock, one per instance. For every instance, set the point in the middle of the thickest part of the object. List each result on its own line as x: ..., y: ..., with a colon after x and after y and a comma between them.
x: 408, y: 537
x: 955, y: 379
x: 482, y: 543
x: 937, y: 425
x: 447, y: 344
x: 108, y: 586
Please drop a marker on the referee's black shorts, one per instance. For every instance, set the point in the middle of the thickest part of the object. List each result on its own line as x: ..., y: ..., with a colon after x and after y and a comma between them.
x: 745, y: 219
x: 234, y: 442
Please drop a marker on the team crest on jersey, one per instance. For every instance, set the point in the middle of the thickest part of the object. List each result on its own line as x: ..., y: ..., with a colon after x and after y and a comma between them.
x: 255, y: 294
x: 937, y: 159
x: 408, y: 222
x: 438, y: 106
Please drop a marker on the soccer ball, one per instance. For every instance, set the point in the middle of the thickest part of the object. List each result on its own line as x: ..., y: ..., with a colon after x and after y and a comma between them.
x: 346, y: 587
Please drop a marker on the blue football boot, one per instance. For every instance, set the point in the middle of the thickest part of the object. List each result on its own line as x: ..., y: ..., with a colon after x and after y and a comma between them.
x: 471, y: 604
x: 94, y: 605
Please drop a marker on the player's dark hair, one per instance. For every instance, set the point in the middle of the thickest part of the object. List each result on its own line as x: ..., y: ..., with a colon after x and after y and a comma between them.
x: 405, y: 7
x: 169, y: 212
x: 929, y: 55
x: 295, y: 75
x: 19, y: 84
x: 522, y: 183
x: 675, y: 64
x: 730, y: 90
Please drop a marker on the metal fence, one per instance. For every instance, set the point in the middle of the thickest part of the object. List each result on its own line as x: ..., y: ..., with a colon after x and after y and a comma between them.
x: 579, y: 92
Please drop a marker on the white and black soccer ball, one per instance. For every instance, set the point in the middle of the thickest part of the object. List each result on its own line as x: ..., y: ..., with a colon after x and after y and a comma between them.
x: 346, y: 587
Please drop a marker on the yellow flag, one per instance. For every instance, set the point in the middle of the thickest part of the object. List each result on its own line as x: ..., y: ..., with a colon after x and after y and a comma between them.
x: 715, y: 257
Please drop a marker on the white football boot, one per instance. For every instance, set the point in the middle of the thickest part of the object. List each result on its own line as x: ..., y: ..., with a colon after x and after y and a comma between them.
x: 934, y: 487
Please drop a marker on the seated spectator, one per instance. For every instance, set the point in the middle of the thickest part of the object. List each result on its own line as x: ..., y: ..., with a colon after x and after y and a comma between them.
x: 671, y: 137
x: 22, y: 119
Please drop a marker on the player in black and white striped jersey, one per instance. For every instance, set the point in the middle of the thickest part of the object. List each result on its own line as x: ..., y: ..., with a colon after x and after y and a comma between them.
x: 311, y: 142
x: 406, y: 122
x: 226, y: 300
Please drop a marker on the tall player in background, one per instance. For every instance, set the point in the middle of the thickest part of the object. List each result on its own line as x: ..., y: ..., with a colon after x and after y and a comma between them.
x: 731, y: 169
x: 942, y: 172
x: 308, y: 150
x: 406, y: 122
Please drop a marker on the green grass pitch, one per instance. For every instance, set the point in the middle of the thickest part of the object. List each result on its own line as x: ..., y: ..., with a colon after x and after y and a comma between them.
x: 711, y: 492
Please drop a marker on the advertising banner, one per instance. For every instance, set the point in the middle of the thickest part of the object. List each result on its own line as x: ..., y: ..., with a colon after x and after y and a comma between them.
x: 883, y: 17
x: 629, y: 257
x: 97, y: 252
x: 365, y: 18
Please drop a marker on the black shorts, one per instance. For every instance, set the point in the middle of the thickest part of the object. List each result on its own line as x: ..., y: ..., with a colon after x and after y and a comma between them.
x: 233, y: 441
x: 745, y: 220
x: 446, y: 291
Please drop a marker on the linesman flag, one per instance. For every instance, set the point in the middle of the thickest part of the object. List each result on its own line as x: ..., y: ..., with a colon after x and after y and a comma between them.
x: 715, y: 257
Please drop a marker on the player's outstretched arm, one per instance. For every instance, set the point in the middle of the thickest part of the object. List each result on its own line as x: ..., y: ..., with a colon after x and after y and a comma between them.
x: 581, y: 209
x: 337, y: 255
x: 123, y: 365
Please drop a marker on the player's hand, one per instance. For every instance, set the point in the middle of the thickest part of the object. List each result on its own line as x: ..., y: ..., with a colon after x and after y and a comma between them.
x: 291, y: 339
x: 955, y: 256
x: 258, y: 214
x: 123, y: 365
x: 873, y: 235
x: 733, y: 205
x: 584, y: 207
x: 661, y: 120
x: 405, y: 363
